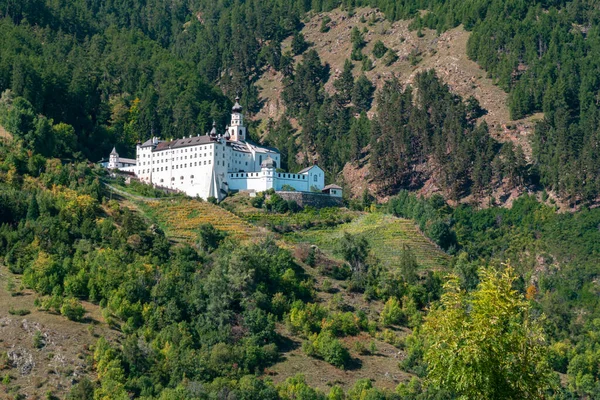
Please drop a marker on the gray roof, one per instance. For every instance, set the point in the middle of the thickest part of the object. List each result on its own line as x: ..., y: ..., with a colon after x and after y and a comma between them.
x: 268, y: 163
x: 114, y: 152
x: 308, y: 169
x: 332, y: 186
x: 237, y: 108
x: 127, y: 160
x: 147, y: 143
x: 184, y: 142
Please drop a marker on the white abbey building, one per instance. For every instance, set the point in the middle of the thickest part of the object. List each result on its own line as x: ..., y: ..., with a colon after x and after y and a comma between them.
x: 214, y: 164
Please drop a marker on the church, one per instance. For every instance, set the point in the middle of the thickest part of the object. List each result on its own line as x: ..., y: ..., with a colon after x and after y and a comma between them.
x: 214, y: 164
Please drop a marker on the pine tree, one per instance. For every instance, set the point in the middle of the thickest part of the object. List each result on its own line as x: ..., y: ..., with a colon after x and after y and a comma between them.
x: 33, y: 210
x: 345, y: 83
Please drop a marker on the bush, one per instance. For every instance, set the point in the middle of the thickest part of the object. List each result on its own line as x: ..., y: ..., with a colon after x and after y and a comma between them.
x: 392, y: 312
x: 327, y: 347
x: 72, y: 309
x: 324, y: 24
x: 18, y: 311
x: 390, y: 58
x: 306, y: 318
x: 209, y: 238
x: 379, y: 49
x: 38, y: 340
x: 257, y: 202
x: 342, y: 324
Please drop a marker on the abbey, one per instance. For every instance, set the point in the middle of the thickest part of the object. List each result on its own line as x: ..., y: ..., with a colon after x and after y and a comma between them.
x: 214, y: 164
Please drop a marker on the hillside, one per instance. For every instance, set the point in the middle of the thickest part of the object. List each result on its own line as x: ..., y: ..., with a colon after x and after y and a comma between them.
x: 386, y: 234
x: 445, y: 53
x: 180, y: 217
x: 417, y: 51
x: 60, y: 359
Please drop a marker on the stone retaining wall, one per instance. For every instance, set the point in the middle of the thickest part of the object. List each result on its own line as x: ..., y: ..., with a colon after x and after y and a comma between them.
x: 316, y: 200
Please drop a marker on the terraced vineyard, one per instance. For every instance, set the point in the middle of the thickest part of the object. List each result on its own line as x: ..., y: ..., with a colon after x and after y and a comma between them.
x: 385, y: 233
x: 180, y: 218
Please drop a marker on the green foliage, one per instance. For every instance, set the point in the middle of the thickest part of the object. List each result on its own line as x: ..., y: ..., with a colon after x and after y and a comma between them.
x: 295, y: 387
x: 367, y: 64
x: 392, y: 312
x: 324, y: 24
x: 324, y: 345
x: 209, y: 238
x: 18, y: 311
x: 379, y: 49
x: 355, y: 250
x: 390, y: 57
x: 72, y: 309
x: 486, y: 345
x: 38, y: 339
x: 299, y: 44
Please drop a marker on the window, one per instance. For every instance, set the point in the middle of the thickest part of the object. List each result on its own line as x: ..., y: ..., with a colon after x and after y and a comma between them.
x: 315, y: 178
x: 191, y: 176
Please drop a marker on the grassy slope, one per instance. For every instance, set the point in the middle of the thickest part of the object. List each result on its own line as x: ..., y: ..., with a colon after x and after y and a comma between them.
x: 180, y: 218
x: 386, y: 235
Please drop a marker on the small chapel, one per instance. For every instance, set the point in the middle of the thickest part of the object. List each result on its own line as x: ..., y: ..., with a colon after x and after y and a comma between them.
x: 214, y: 164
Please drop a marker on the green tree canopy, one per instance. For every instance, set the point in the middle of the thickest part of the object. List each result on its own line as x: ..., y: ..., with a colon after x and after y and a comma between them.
x: 486, y: 345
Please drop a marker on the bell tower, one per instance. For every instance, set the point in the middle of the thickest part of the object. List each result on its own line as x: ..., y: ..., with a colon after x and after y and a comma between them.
x: 237, y: 130
x: 113, y: 159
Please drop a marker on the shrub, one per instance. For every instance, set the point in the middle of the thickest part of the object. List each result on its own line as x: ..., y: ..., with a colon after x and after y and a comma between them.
x: 390, y: 58
x: 209, y: 238
x: 379, y: 49
x: 360, y: 348
x: 330, y: 349
x: 324, y: 24
x: 72, y: 309
x: 4, y: 360
x: 342, y: 324
x: 392, y: 312
x: 306, y: 318
x: 311, y: 258
x: 257, y: 202
x: 18, y: 311
x: 38, y: 340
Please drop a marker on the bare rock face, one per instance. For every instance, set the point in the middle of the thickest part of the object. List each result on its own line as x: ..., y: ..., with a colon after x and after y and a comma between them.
x: 22, y: 360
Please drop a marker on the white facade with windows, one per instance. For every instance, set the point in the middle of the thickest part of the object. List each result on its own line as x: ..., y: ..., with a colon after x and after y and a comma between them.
x: 213, y: 164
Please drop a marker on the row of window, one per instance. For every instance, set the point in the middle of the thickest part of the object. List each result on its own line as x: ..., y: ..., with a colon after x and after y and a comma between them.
x: 179, y: 166
x: 185, y: 150
x: 244, y: 175
x: 181, y: 177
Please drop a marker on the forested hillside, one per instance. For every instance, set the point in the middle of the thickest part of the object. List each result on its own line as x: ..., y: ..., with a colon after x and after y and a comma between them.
x: 124, y: 71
